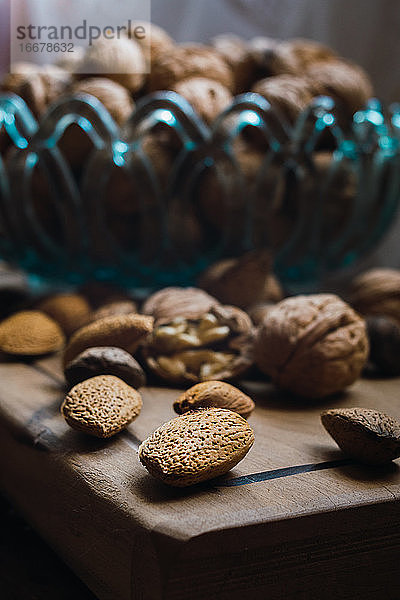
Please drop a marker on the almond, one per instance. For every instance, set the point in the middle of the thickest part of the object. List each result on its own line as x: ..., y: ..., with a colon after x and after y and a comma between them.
x: 365, y: 434
x: 197, y: 446
x: 122, y: 331
x: 30, y: 333
x: 70, y: 311
x: 216, y: 394
x: 101, y: 406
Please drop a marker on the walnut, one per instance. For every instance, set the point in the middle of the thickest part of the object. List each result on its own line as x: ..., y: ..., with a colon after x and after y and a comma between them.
x: 188, y: 61
x: 242, y: 281
x: 347, y: 83
x: 215, y: 345
x: 174, y: 302
x: 38, y: 86
x: 111, y: 94
x: 258, y: 312
x: 293, y: 57
x: 384, y: 341
x: 289, y: 94
x: 238, y: 55
x: 208, y: 97
x: 155, y: 40
x: 313, y: 345
x: 121, y: 60
x: 377, y: 292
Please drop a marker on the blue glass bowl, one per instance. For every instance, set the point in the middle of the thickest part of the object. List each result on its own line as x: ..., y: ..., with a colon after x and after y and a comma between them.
x: 318, y: 211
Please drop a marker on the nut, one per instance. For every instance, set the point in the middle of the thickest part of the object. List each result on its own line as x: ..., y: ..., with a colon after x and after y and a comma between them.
x: 120, y: 59
x: 242, y: 281
x: 239, y: 57
x: 377, y: 292
x: 293, y: 57
x: 70, y: 311
x: 123, y: 331
x: 384, y: 341
x: 101, y: 406
x: 111, y: 94
x: 208, y: 97
x: 289, y: 94
x: 364, y: 434
x: 155, y: 40
x: 344, y: 81
x: 114, y: 308
x: 196, y: 446
x: 173, y: 302
x: 105, y: 360
x: 193, y: 60
x: 217, y: 394
x: 312, y: 345
x: 214, y: 346
x: 30, y: 333
x: 258, y: 312
x: 38, y: 86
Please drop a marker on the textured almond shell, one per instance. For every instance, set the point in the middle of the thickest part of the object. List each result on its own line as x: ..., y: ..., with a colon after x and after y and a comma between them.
x: 365, y: 434
x: 30, y: 333
x: 196, y: 446
x: 70, y: 311
x: 101, y: 406
x: 312, y: 345
x: 122, y: 331
x: 217, y: 394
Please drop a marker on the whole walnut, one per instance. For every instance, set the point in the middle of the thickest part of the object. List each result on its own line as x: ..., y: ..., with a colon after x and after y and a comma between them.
x: 240, y: 58
x: 114, y: 96
x: 208, y: 97
x: 293, y: 57
x: 153, y: 40
x: 38, y: 86
x: 121, y: 60
x: 313, y: 346
x: 242, y: 281
x: 347, y: 83
x: 384, y: 341
x: 290, y: 94
x: 185, y: 61
x: 377, y: 292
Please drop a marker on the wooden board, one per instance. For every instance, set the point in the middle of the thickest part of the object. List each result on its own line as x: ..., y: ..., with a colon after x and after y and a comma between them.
x: 294, y: 519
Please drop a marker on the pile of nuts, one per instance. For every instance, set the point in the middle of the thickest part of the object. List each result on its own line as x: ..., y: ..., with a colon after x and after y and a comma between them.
x: 289, y: 74
x: 311, y: 346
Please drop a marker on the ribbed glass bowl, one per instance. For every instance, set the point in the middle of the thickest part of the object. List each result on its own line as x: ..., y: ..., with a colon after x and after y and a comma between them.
x: 119, y: 209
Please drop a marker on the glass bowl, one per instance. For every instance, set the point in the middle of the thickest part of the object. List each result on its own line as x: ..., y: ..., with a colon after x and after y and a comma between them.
x: 155, y: 202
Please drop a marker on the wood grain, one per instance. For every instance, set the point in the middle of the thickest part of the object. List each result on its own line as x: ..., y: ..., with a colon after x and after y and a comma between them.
x: 331, y: 533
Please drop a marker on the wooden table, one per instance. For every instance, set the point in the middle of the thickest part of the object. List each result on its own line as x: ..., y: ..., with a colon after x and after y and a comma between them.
x: 295, y: 519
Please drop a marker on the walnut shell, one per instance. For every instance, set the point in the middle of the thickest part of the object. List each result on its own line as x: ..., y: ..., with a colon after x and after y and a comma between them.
x: 217, y: 394
x: 121, y: 60
x: 290, y: 94
x: 101, y: 406
x: 114, y: 96
x: 207, y: 96
x: 313, y: 345
x: 214, y: 346
x: 365, y: 434
x: 188, y: 61
x: 344, y: 81
x: 242, y: 281
x: 172, y: 302
x: 196, y: 446
x: 377, y: 292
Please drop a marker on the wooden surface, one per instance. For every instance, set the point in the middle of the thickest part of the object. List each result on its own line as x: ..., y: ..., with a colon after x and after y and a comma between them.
x: 293, y: 520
